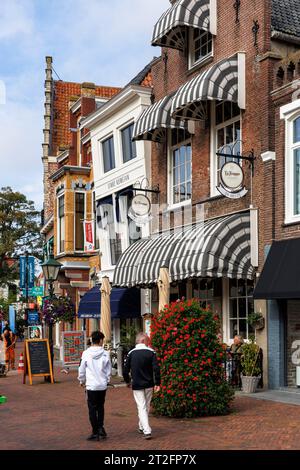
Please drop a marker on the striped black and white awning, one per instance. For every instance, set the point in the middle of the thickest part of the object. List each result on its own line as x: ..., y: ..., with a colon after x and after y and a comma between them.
x: 153, y: 122
x: 170, y: 30
x: 215, y: 248
x: 224, y: 81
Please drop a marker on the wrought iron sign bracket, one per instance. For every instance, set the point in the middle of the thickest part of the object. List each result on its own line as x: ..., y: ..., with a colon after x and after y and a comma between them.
x: 255, y: 29
x: 156, y: 191
x: 236, y: 6
x: 250, y: 158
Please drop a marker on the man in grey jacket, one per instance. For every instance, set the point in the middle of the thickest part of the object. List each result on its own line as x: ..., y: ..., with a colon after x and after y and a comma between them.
x: 94, y: 373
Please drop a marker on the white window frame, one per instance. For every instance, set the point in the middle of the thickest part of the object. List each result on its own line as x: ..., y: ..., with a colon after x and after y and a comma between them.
x: 74, y: 218
x: 95, y: 225
x: 121, y: 129
x: 226, y: 312
x: 171, y: 203
x: 59, y: 251
x: 104, y: 139
x: 213, y: 146
x: 191, y: 50
x: 289, y: 113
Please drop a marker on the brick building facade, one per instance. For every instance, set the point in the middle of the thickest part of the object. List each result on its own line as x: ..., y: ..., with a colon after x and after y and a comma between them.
x: 199, y: 40
x: 283, y: 234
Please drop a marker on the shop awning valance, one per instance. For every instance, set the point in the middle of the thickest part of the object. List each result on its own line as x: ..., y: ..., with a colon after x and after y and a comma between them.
x: 215, y: 248
x: 223, y: 81
x: 153, y: 122
x: 280, y: 277
x: 124, y: 303
x: 170, y: 30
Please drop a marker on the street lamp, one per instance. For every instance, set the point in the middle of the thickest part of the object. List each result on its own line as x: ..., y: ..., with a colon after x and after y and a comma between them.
x: 51, y: 269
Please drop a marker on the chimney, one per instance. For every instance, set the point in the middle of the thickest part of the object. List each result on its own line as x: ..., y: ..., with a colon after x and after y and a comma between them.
x: 88, y: 90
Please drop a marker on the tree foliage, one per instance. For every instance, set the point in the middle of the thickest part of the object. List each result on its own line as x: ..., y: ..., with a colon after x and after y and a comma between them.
x: 19, y: 231
x: 193, y: 384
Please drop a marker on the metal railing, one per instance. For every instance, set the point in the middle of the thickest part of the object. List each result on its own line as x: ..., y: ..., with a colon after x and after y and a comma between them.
x: 232, y: 370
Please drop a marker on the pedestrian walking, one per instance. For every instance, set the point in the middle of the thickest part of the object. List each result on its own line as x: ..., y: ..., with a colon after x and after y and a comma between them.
x: 141, y: 369
x: 94, y: 373
x: 9, y: 339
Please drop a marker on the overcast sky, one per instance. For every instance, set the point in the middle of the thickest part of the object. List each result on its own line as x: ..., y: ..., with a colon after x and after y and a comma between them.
x: 101, y: 41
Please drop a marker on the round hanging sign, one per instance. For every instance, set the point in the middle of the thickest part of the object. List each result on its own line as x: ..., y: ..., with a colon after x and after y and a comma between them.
x: 140, y: 205
x: 232, y: 176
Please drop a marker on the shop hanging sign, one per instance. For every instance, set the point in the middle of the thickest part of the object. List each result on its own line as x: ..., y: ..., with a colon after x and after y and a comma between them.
x: 89, y: 244
x: 232, y: 181
x: 139, y: 210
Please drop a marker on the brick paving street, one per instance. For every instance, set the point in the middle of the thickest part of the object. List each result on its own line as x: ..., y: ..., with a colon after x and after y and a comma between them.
x: 45, y: 416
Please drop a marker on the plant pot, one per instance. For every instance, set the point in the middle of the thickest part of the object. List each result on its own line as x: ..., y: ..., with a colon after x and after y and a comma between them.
x: 249, y: 384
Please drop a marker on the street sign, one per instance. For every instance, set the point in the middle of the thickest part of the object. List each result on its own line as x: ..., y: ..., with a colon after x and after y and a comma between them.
x: 33, y: 318
x: 37, y: 291
x: 34, y: 291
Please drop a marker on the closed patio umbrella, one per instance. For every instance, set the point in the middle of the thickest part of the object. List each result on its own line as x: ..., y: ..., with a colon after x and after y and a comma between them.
x: 105, y: 322
x: 163, y: 287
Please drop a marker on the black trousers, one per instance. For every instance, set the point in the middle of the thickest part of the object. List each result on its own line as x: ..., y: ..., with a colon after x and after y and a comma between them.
x: 96, y: 401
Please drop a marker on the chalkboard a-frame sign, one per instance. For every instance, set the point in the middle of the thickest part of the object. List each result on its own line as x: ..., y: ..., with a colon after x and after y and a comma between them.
x: 37, y: 361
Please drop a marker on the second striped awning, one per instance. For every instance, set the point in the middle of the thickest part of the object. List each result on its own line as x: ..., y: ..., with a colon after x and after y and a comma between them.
x: 223, y: 81
x: 216, y: 248
x: 153, y: 122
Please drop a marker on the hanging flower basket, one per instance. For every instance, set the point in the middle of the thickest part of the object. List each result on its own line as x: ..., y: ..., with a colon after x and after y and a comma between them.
x: 58, y: 309
x: 259, y: 324
x: 256, y: 320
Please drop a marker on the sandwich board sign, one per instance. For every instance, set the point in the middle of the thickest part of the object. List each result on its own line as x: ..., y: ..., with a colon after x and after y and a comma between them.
x: 37, y: 359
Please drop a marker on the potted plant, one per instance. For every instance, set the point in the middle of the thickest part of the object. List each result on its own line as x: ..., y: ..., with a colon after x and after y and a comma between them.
x: 256, y: 320
x: 251, y: 370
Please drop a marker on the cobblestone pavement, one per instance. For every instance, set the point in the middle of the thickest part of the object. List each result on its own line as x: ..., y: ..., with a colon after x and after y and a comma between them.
x: 46, y: 416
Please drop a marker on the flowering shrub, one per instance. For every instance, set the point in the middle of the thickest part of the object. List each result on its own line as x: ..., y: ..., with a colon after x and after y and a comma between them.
x: 58, y: 309
x: 193, y: 384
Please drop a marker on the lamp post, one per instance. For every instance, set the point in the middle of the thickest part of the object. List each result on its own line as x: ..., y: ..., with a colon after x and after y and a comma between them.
x: 51, y: 269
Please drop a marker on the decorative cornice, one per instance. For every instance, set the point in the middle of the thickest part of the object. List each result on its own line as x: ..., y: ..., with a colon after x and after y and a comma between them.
x: 62, y: 156
x: 47, y: 226
x: 116, y: 102
x: 78, y: 170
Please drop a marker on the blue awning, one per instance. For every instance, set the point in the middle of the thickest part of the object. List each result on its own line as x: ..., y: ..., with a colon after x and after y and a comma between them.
x: 124, y: 303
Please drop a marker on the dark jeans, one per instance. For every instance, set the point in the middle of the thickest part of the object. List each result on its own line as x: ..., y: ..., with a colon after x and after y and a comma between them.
x: 96, y: 401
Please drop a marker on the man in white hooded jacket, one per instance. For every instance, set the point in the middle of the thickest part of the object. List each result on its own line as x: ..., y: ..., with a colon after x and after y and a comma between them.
x: 95, y: 372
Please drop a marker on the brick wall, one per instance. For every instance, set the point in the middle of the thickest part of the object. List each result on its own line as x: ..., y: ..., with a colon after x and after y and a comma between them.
x: 257, y: 120
x: 286, y: 86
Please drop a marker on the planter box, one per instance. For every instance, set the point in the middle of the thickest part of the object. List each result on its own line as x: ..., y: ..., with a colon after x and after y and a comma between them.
x: 249, y: 384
